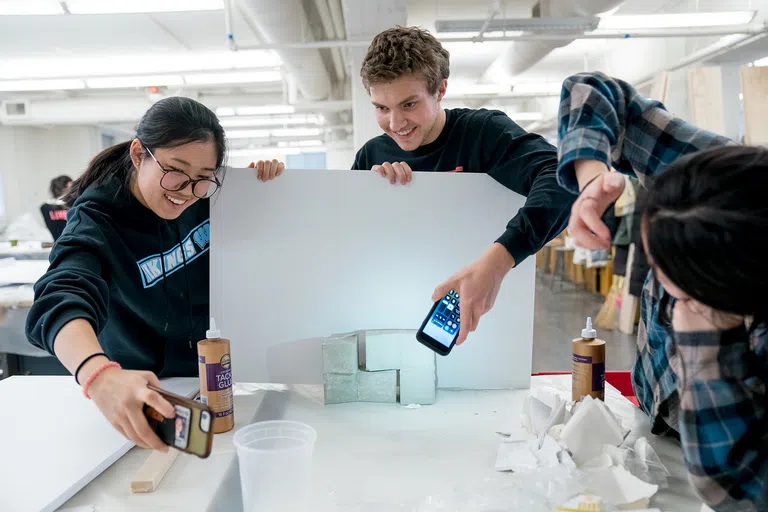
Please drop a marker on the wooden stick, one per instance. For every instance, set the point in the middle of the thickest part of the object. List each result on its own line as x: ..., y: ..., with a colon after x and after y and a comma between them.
x: 153, y: 470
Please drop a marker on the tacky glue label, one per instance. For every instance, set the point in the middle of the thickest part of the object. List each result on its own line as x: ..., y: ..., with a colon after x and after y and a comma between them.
x: 215, y: 368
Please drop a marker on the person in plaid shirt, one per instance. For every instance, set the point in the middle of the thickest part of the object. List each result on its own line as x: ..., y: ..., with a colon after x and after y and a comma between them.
x: 701, y: 374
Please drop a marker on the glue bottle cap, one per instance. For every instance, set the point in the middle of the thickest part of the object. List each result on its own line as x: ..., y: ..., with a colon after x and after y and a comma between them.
x: 589, y: 332
x: 213, y: 332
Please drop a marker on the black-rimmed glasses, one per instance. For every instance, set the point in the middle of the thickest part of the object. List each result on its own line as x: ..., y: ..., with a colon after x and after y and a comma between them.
x: 174, y: 181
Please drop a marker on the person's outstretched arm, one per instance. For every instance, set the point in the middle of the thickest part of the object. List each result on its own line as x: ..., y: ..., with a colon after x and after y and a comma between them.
x: 525, y: 163
x: 603, y: 123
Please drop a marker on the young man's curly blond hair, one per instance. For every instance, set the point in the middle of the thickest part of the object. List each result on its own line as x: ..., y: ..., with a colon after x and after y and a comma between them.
x: 403, y: 51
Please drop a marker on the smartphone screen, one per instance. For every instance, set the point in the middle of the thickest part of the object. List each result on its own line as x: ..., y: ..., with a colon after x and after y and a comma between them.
x: 441, y: 327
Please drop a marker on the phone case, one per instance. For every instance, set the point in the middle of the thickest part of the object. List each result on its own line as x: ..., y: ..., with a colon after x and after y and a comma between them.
x: 190, y: 431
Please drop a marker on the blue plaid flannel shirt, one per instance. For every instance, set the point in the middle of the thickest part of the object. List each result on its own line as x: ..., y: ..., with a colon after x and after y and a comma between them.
x: 709, y: 389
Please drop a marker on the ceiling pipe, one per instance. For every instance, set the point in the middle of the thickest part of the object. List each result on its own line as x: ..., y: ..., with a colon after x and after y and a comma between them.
x: 277, y: 21
x: 747, y: 30
x: 494, y: 11
x: 519, y: 56
x: 337, y: 17
x: 228, y: 25
x: 330, y: 33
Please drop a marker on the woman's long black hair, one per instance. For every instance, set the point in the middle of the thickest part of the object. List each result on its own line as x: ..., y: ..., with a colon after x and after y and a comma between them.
x: 706, y: 222
x: 171, y: 122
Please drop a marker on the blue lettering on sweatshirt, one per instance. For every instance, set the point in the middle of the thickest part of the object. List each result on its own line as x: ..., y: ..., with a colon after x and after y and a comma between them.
x: 197, y: 242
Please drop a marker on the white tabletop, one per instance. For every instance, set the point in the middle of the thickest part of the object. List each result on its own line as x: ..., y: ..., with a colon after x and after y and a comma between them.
x: 372, y: 456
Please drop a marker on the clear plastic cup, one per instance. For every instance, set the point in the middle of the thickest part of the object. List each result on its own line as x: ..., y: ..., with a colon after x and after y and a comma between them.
x: 275, y: 460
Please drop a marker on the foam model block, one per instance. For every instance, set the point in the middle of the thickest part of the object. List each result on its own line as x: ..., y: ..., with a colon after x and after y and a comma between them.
x: 380, y: 349
x: 340, y: 388
x: 370, y: 366
x: 377, y: 386
x: 340, y: 354
x: 418, y: 386
x: 392, y: 350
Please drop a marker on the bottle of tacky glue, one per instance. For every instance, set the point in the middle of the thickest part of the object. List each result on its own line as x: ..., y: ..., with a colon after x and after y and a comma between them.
x: 588, y: 376
x: 215, y: 366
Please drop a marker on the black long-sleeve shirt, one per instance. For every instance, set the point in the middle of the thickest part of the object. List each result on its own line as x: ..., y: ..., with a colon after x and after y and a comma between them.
x: 488, y: 141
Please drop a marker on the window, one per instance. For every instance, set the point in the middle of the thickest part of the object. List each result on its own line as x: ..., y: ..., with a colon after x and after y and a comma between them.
x: 305, y: 161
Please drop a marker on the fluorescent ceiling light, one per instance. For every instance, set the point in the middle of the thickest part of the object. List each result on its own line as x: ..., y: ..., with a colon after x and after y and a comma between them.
x: 247, y: 134
x: 238, y: 77
x: 246, y: 122
x: 681, y: 20
x: 140, y: 64
x: 265, y: 109
x: 141, y: 6
x: 30, y: 7
x: 534, y: 88
x: 296, y: 132
x: 118, y: 82
x: 41, y: 85
x: 473, y: 34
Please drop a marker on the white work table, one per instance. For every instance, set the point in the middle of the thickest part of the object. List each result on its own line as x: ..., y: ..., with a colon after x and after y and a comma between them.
x: 372, y: 456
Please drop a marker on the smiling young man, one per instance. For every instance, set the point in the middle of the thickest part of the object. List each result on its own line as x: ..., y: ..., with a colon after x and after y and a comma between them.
x: 406, y: 74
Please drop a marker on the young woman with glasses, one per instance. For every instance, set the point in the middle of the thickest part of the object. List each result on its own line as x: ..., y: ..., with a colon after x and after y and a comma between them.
x: 125, y: 298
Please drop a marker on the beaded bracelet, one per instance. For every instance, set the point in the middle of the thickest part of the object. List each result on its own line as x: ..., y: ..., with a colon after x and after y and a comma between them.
x: 99, y: 370
x: 97, y: 354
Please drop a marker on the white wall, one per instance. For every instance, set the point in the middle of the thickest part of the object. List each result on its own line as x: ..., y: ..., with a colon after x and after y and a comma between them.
x: 31, y: 156
x: 340, y: 155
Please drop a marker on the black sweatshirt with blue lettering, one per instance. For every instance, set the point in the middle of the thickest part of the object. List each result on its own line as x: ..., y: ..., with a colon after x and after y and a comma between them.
x: 141, y: 281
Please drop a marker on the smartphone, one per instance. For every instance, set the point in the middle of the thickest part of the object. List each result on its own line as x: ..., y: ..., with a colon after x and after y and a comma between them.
x: 190, y: 430
x: 441, y: 326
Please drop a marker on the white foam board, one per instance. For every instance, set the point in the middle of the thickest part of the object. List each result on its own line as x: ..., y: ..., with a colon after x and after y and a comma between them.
x: 314, y: 253
x: 53, y: 441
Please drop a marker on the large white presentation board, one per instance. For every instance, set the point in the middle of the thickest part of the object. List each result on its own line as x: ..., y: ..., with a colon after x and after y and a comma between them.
x: 318, y: 252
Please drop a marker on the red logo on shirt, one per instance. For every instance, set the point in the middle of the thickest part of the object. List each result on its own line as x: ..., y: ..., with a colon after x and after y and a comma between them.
x: 58, y: 214
x: 458, y: 169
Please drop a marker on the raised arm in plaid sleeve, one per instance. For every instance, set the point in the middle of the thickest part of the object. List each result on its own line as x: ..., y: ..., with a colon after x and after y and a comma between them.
x: 605, y: 119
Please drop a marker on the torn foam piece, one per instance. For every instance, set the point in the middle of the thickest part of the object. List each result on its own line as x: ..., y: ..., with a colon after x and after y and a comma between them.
x: 535, y: 414
x: 393, y: 349
x: 544, y: 410
x: 378, y: 386
x: 617, y: 486
x: 418, y: 386
x: 547, y: 452
x: 589, y: 429
x: 340, y: 354
x: 515, y: 456
x: 339, y: 388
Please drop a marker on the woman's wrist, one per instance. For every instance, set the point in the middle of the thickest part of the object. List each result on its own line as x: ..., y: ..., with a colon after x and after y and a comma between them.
x: 96, y: 377
x: 587, y: 170
x: 84, y: 371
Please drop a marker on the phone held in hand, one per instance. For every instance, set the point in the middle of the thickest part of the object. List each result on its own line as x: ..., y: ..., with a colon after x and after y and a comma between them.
x: 190, y: 431
x: 441, y: 326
